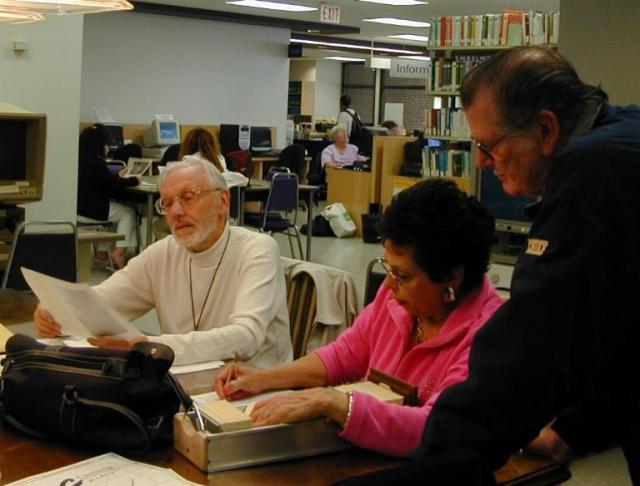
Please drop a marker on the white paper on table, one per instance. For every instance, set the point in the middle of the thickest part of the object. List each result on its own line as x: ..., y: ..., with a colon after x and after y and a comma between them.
x: 107, y: 470
x: 77, y: 307
x: 191, y: 368
x: 240, y: 404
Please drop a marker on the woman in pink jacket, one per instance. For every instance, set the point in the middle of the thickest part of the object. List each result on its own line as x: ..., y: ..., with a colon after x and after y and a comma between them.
x: 419, y: 328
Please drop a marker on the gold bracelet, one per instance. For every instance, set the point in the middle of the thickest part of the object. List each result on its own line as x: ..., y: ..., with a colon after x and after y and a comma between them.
x: 349, y: 409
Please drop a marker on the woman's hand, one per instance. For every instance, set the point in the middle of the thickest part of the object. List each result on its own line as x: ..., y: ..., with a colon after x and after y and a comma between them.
x: 302, y: 405
x: 46, y: 325
x: 236, y: 381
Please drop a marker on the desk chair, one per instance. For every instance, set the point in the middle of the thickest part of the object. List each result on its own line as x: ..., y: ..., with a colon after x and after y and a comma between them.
x: 317, y: 176
x: 49, y: 247
x: 172, y: 154
x: 292, y: 157
x: 282, y: 199
x: 373, y: 280
x: 301, y: 303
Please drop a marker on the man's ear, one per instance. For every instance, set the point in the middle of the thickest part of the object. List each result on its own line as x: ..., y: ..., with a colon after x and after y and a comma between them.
x: 225, y: 201
x: 549, y: 132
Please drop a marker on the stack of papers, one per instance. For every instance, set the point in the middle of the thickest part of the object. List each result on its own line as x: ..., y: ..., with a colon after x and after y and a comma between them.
x: 107, y: 470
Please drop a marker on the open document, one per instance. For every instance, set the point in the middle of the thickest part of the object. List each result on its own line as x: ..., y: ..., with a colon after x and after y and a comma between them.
x: 77, y: 307
x: 107, y: 470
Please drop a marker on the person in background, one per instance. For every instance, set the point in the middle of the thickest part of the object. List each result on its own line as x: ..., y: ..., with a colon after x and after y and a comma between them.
x: 218, y: 290
x: 340, y: 153
x: 203, y: 144
x: 95, y: 183
x: 393, y: 129
x: 419, y: 328
x: 346, y: 115
x: 570, y: 330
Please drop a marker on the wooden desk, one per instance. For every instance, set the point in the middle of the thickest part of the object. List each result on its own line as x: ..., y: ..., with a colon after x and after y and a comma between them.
x: 22, y: 456
x: 354, y: 189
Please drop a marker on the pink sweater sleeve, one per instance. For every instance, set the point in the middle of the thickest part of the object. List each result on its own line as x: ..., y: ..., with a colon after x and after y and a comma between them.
x: 397, y: 429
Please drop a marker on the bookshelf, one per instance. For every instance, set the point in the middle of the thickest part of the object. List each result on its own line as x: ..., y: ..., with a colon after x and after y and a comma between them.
x: 301, y: 98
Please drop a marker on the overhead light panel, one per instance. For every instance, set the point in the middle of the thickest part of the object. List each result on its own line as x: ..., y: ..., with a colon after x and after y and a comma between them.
x: 354, y: 46
x: 345, y: 59
x: 62, y: 7
x: 16, y: 17
x: 410, y: 37
x: 416, y: 58
x: 397, y: 3
x: 400, y: 22
x: 287, y: 7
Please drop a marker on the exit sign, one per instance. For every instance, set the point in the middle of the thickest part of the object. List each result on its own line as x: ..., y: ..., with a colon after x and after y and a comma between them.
x: 330, y: 14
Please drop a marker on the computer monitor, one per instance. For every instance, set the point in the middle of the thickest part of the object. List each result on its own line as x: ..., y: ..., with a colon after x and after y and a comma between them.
x: 507, y: 210
x: 162, y: 132
x: 365, y: 142
x: 116, y: 131
x: 22, y: 155
x: 260, y: 139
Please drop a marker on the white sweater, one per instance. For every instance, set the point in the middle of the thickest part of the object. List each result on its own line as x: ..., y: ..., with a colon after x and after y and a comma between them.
x: 245, y: 316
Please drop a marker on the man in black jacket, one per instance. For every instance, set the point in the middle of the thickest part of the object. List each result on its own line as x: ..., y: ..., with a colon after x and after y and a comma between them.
x: 570, y: 328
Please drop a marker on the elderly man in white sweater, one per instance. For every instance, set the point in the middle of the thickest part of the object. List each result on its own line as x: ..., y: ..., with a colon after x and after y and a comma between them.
x: 219, y: 291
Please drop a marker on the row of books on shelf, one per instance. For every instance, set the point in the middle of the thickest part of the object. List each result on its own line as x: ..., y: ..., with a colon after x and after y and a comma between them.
x: 446, y: 122
x: 510, y: 28
x: 446, y: 74
x: 439, y: 162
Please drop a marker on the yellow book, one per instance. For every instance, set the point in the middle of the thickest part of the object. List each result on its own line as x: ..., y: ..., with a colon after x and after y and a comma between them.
x: 5, y: 334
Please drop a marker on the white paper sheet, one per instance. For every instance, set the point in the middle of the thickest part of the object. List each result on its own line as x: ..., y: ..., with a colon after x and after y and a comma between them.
x: 77, y: 307
x: 190, y: 368
x: 107, y: 470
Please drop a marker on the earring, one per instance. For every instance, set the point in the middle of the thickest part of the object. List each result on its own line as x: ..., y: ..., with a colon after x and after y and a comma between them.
x: 450, y: 296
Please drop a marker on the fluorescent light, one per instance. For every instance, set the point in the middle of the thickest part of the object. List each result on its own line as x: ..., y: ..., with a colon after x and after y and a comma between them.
x: 62, y: 7
x: 416, y: 58
x: 18, y: 16
x: 410, y: 37
x: 400, y: 22
x: 354, y: 46
x: 288, y: 7
x: 397, y: 3
x: 346, y: 59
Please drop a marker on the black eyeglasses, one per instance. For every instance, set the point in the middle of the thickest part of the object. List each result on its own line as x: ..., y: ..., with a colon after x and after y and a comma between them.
x: 186, y: 198
x: 488, y: 149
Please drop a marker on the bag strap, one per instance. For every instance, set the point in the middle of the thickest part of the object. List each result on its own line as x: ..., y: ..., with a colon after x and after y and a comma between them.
x: 69, y: 410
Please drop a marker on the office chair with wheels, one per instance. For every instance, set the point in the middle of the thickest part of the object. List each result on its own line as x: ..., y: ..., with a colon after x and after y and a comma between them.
x: 49, y: 247
x: 282, y: 199
x: 172, y: 154
x: 292, y: 157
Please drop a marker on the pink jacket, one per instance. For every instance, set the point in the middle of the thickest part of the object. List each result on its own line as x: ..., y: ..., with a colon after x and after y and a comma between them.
x: 381, y: 338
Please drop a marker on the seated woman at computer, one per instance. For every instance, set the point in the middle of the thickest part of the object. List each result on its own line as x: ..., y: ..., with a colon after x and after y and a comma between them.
x: 340, y: 153
x: 203, y: 144
x: 95, y: 183
x: 419, y: 328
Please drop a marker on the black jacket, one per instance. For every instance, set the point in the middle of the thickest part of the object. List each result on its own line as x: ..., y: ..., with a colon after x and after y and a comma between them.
x: 572, y: 323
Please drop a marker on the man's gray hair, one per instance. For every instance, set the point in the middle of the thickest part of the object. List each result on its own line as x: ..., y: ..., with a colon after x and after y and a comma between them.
x: 213, y: 175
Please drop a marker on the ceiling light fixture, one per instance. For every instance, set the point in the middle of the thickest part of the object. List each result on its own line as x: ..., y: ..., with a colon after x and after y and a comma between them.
x: 354, y: 46
x: 16, y: 17
x: 397, y: 3
x: 400, y: 22
x: 287, y: 7
x: 410, y: 37
x: 345, y: 59
x: 416, y: 58
x: 62, y: 7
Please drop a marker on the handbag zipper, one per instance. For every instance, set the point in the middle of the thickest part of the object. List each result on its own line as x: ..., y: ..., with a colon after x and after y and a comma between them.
x: 61, y: 368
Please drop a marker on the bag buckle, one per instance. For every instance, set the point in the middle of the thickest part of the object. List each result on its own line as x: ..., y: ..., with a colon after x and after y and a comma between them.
x: 70, y: 395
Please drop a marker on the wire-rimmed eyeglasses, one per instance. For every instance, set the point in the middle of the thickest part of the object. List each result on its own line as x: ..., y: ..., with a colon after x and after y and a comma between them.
x: 387, y: 268
x: 186, y: 198
x: 488, y: 149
